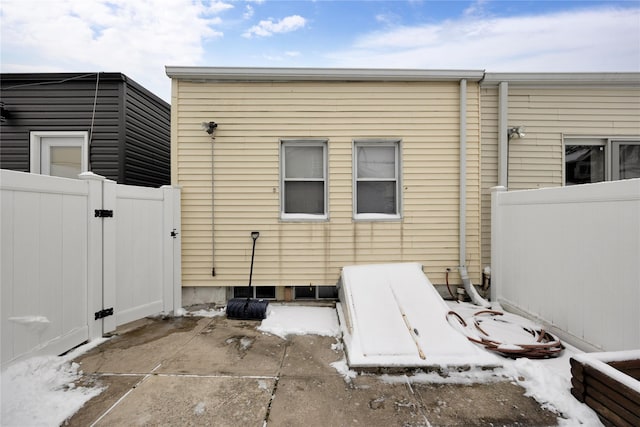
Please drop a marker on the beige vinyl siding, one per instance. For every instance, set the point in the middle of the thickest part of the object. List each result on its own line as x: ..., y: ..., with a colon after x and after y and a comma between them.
x: 253, y: 117
x: 548, y: 113
x: 489, y: 167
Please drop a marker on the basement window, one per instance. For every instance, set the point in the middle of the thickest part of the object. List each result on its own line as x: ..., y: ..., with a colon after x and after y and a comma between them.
x: 315, y: 292
x: 260, y: 292
x: 588, y: 160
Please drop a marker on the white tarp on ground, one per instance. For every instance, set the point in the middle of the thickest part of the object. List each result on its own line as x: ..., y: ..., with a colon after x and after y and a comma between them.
x: 392, y: 316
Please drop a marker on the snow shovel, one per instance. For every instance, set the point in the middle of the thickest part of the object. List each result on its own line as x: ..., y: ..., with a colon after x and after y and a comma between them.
x: 248, y: 308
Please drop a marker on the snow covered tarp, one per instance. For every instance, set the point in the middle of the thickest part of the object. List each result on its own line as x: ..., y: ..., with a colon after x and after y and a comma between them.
x: 392, y: 316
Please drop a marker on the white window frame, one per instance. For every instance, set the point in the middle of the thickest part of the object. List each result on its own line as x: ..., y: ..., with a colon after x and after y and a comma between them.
x: 313, y: 143
x: 378, y: 142
x: 615, y: 154
x: 35, y: 147
x: 611, y: 152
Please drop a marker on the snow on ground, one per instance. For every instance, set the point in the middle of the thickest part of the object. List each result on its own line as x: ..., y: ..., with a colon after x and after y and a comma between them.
x: 40, y: 391
x: 285, y: 320
x: 212, y: 312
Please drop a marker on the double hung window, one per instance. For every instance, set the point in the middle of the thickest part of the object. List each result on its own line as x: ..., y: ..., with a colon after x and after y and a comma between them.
x: 376, y: 179
x: 303, y: 166
x: 595, y: 160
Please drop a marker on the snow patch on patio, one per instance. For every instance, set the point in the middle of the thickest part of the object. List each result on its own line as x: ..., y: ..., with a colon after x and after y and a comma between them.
x: 41, y: 391
x: 285, y: 320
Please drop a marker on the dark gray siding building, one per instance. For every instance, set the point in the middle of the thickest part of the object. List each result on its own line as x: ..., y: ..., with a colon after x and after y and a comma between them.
x: 121, y: 128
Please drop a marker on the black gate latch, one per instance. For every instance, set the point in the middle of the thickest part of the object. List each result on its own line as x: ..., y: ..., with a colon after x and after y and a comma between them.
x: 104, y: 213
x: 104, y: 313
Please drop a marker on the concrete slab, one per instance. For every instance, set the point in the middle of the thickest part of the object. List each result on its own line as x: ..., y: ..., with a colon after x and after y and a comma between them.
x: 329, y: 401
x: 115, y: 386
x: 228, y: 347
x: 500, y: 403
x: 180, y: 400
x: 226, y: 373
x: 141, y: 348
x: 310, y: 355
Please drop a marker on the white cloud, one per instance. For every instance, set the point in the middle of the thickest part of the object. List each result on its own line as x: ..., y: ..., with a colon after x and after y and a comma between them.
x: 137, y: 38
x: 388, y: 18
x: 269, y: 27
x: 248, y: 12
x: 476, y: 8
x: 588, y: 40
x: 219, y: 6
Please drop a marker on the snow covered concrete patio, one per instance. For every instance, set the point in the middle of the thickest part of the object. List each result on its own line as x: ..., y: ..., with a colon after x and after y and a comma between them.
x: 287, y: 370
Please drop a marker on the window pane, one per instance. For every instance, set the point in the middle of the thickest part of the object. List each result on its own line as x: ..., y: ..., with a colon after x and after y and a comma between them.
x: 65, y: 161
x: 376, y: 162
x: 377, y: 197
x: 584, y: 164
x: 305, y: 292
x: 303, y: 162
x: 304, y: 197
x: 267, y: 292
x: 330, y: 292
x: 242, y: 292
x: 629, y: 161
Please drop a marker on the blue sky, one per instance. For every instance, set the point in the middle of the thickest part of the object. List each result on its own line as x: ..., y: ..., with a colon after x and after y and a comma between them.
x: 140, y: 37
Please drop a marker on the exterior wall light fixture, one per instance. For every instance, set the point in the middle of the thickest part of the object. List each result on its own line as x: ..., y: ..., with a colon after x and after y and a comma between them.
x: 209, y: 127
x: 516, y: 131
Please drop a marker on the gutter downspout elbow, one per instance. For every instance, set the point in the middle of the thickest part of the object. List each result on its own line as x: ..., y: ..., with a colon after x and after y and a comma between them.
x: 471, y: 290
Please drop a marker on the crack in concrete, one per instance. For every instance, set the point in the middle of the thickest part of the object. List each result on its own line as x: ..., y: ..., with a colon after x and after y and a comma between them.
x: 275, y: 384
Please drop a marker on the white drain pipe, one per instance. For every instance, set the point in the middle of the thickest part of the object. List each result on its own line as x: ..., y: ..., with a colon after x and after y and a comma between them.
x: 462, y: 268
x: 503, y: 138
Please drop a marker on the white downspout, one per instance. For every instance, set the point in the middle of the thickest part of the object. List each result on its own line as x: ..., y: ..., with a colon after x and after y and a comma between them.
x: 503, y: 138
x: 462, y: 268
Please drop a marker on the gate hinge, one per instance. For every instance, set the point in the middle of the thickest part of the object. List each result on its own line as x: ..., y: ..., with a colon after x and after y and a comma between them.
x: 104, y: 213
x: 104, y: 313
x: 174, y: 233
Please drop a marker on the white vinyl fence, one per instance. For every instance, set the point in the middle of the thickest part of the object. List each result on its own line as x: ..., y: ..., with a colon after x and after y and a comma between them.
x: 74, y: 251
x: 570, y: 257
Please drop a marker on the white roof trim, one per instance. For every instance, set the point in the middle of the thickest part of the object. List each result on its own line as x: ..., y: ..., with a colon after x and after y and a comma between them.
x: 318, y: 74
x: 605, y: 78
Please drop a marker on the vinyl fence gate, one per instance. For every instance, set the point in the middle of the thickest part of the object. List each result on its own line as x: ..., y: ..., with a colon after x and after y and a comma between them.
x: 80, y: 257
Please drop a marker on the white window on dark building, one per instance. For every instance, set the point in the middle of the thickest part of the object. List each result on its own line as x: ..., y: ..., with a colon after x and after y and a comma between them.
x: 63, y: 154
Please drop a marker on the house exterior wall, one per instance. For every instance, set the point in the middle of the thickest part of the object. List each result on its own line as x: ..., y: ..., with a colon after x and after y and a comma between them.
x: 253, y: 117
x: 129, y: 130
x: 549, y: 113
x: 146, y: 159
x: 36, y: 104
